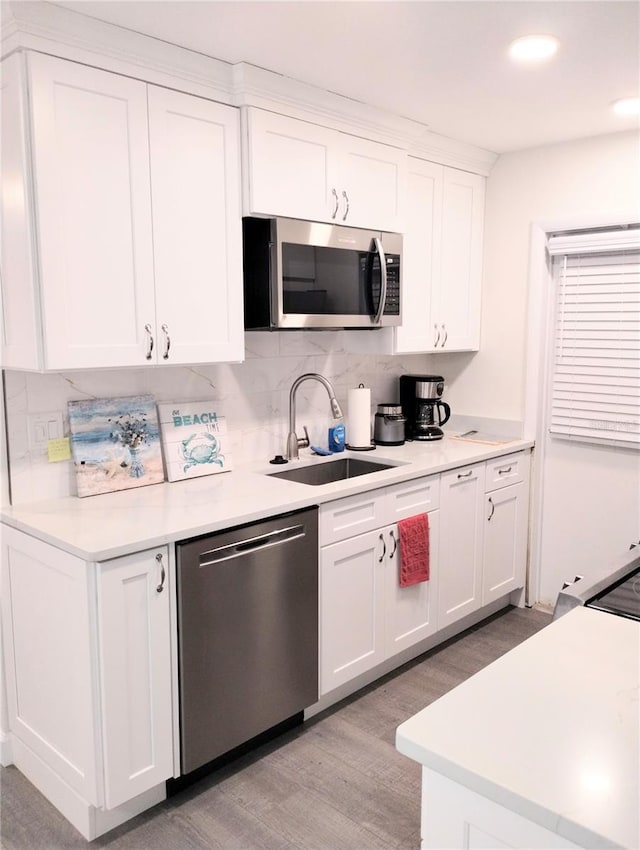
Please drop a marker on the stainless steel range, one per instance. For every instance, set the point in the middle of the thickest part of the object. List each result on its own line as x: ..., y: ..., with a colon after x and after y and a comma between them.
x: 615, y: 589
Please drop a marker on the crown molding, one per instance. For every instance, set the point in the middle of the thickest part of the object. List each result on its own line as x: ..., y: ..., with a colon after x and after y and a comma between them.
x: 45, y: 27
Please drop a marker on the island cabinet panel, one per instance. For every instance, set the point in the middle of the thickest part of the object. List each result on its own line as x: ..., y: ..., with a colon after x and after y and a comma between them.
x: 51, y: 688
x: 456, y: 817
x: 134, y: 639
x: 299, y: 169
x: 129, y: 250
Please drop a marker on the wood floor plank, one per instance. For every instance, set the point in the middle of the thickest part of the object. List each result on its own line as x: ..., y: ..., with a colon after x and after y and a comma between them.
x: 336, y: 783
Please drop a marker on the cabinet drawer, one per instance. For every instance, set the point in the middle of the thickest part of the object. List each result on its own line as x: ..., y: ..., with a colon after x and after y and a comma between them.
x: 353, y: 515
x: 508, y: 469
x: 413, y: 497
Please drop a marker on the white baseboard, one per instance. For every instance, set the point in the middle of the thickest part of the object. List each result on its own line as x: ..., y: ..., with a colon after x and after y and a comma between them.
x: 6, y: 751
x: 86, y: 818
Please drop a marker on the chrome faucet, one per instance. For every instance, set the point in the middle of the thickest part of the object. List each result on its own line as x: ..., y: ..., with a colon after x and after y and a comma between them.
x: 293, y: 441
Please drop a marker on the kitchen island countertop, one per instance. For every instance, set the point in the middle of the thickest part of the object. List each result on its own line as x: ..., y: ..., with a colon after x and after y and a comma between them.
x: 551, y: 730
x: 106, y: 526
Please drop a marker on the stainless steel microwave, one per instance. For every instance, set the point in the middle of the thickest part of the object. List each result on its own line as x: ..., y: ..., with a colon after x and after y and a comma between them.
x: 301, y: 274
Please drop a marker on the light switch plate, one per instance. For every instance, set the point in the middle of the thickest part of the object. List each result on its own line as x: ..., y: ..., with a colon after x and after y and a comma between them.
x: 42, y: 428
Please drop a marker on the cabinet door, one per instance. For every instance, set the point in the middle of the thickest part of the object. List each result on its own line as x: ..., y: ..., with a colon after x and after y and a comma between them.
x: 19, y: 327
x: 91, y: 164
x: 461, y: 529
x: 197, y: 238
x: 457, y: 302
x: 411, y: 613
x: 351, y: 608
x: 135, y: 663
x: 505, y: 541
x: 370, y: 184
x: 420, y: 257
x: 289, y: 167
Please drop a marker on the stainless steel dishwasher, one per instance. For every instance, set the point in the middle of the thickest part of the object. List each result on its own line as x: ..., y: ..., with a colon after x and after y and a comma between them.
x: 247, y: 632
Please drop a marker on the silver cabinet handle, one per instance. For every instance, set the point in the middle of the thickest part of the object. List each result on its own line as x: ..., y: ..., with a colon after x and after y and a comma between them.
x: 167, y: 342
x: 505, y: 471
x: 335, y: 210
x: 163, y: 575
x: 384, y: 549
x: 395, y: 543
x: 346, y: 200
x: 493, y: 509
x: 435, y: 344
x: 465, y: 474
x: 147, y: 328
x: 446, y: 336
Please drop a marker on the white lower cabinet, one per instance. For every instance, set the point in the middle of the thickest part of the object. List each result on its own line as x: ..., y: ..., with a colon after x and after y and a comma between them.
x: 462, y: 506
x: 134, y: 637
x: 365, y: 616
x: 483, y: 548
x: 505, y: 527
x: 88, y: 667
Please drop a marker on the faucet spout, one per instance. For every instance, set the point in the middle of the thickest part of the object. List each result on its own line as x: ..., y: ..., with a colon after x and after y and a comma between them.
x: 294, y: 443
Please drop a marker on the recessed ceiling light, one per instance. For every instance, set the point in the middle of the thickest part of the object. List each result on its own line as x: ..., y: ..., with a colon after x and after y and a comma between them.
x: 627, y: 106
x: 533, y: 48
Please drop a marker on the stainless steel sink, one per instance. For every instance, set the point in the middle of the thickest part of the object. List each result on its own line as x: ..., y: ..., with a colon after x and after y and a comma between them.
x: 332, y: 470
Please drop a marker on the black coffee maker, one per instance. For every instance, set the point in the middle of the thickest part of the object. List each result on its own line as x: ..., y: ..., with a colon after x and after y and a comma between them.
x: 421, y: 405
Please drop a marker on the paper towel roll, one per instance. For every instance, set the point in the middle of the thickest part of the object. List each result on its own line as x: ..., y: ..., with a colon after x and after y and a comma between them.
x: 359, y: 417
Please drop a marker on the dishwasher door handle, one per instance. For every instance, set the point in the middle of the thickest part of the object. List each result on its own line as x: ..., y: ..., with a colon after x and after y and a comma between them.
x: 237, y: 550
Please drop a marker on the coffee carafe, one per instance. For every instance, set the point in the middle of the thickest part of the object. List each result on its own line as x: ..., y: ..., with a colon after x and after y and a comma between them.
x: 425, y: 412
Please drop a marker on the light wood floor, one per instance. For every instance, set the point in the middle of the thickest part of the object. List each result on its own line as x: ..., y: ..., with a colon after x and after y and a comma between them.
x: 336, y: 783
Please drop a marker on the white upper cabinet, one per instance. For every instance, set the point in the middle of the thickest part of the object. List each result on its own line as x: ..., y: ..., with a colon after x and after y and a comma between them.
x: 110, y: 271
x: 297, y: 169
x: 197, y: 236
x: 442, y: 260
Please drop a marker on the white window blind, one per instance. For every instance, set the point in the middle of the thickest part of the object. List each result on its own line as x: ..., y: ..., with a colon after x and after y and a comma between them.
x: 595, y: 388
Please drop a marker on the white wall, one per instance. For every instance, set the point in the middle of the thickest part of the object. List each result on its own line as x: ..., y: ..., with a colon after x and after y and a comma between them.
x: 590, y: 506
x: 567, y: 181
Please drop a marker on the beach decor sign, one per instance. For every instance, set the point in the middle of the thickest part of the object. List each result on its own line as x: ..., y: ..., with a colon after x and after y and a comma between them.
x: 194, y: 439
x: 115, y: 444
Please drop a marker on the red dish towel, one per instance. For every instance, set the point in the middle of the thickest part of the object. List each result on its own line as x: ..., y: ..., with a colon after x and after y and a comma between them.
x: 414, y: 549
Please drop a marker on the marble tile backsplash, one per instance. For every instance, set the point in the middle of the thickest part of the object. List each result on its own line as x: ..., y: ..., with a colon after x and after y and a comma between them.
x: 253, y: 396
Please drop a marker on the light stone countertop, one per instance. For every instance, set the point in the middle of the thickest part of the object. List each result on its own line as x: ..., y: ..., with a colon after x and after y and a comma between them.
x: 97, y: 528
x: 551, y: 730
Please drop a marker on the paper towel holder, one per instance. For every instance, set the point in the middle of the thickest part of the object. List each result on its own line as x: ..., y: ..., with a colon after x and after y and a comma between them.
x: 368, y: 448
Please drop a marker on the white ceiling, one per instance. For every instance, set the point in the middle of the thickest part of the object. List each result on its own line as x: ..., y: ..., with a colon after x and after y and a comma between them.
x: 441, y: 62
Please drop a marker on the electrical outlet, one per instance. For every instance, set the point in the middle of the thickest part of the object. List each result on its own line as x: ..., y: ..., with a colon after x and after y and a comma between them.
x: 42, y: 428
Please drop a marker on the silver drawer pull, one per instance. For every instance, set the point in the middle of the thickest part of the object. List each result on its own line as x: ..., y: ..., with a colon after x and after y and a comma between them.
x: 395, y: 543
x: 163, y: 575
x: 335, y: 211
x: 167, y: 342
x: 147, y: 328
x: 465, y: 474
x: 505, y: 470
x: 384, y: 549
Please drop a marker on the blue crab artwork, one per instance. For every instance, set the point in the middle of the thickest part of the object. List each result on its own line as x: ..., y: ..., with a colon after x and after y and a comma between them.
x: 200, y: 448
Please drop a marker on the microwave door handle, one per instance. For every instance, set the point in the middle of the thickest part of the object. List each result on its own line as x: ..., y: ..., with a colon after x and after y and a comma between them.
x: 383, y: 280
